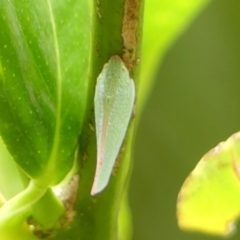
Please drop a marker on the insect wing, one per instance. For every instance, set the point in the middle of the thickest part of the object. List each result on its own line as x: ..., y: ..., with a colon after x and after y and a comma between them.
x: 114, y: 100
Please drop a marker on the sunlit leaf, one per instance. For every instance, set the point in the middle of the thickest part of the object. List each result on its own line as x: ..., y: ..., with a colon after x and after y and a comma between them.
x: 209, y: 199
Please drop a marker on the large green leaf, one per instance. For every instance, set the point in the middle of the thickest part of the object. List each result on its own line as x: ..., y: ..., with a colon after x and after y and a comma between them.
x: 43, y: 82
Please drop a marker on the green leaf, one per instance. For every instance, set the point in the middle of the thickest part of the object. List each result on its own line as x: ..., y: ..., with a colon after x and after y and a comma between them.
x: 43, y: 83
x: 164, y: 21
x: 9, y: 174
x: 209, y: 199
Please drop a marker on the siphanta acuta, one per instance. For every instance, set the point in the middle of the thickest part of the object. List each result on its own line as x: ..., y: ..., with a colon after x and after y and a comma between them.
x: 113, y: 103
x: 209, y: 200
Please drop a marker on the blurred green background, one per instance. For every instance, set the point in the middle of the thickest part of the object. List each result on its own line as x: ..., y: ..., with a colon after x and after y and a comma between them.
x: 195, y: 104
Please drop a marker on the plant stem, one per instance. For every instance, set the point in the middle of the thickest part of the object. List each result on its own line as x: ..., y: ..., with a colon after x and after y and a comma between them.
x: 18, y: 208
x: 115, y: 24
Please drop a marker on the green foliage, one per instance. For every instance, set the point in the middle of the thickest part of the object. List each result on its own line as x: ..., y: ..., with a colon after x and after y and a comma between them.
x: 194, y: 106
x: 43, y: 83
x: 43, y: 88
x: 209, y: 198
x: 49, y: 63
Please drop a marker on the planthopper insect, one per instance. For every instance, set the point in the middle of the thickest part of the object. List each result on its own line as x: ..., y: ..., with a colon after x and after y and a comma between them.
x: 113, y: 102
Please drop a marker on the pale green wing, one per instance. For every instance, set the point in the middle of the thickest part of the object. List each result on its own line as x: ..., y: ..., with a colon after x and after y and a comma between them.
x: 114, y: 100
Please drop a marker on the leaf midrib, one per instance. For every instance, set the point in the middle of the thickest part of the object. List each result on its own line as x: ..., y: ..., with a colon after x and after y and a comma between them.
x: 56, y: 139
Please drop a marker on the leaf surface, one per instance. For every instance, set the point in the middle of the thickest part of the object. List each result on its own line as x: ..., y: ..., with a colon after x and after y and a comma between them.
x: 209, y: 200
x: 43, y: 82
